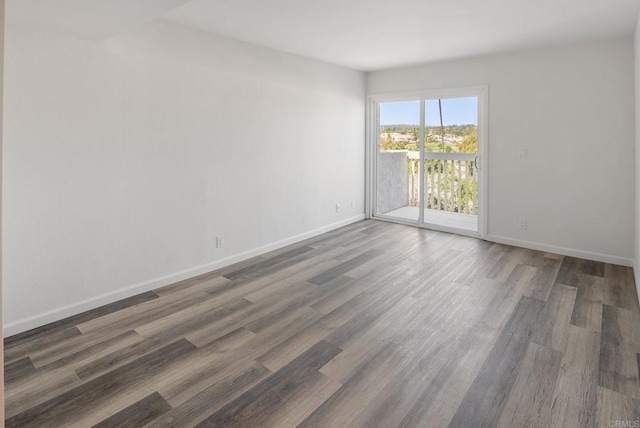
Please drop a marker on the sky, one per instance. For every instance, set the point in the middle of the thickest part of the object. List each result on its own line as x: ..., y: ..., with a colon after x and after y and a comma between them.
x: 455, y: 111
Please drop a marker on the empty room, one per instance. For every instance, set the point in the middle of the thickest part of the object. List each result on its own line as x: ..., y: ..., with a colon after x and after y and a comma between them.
x: 286, y: 213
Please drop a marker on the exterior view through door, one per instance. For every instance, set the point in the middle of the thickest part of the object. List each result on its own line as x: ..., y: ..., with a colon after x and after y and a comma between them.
x: 427, y: 161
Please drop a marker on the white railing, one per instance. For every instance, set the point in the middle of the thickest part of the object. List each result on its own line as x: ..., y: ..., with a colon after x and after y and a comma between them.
x: 451, y: 182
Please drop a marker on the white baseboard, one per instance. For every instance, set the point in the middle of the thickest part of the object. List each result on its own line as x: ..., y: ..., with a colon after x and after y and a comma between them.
x: 122, y: 293
x: 588, y: 255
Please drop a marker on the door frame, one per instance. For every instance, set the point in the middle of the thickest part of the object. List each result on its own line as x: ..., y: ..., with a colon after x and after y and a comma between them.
x: 372, y: 134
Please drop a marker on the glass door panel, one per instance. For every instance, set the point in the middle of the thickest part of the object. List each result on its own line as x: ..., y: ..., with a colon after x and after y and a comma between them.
x: 451, y: 154
x: 398, y: 161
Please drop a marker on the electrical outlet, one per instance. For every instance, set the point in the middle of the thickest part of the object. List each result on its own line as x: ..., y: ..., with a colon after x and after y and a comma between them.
x: 522, y: 224
x: 219, y: 241
x: 353, y: 205
x: 523, y: 152
x: 337, y: 207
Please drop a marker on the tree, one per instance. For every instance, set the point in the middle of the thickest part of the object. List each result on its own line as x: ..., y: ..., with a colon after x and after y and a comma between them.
x: 386, y: 142
x: 470, y: 142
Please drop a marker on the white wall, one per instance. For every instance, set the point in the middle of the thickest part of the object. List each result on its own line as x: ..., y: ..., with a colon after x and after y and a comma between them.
x: 125, y: 159
x: 2, y: 6
x: 573, y: 110
x: 637, y: 157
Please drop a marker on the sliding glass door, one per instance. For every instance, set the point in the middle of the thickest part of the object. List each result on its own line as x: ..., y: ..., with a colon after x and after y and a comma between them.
x: 426, y: 157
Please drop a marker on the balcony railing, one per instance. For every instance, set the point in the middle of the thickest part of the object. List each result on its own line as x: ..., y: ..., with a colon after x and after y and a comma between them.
x: 451, y: 182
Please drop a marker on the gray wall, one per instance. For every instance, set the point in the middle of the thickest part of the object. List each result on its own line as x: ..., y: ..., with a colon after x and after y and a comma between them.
x: 118, y: 153
x: 575, y: 199
x: 393, y: 177
x: 637, y: 157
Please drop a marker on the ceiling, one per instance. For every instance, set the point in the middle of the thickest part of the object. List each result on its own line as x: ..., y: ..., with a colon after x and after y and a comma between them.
x: 101, y: 19
x: 361, y: 34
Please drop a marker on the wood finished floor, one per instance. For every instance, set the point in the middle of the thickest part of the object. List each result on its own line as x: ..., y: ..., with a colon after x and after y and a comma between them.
x: 371, y: 325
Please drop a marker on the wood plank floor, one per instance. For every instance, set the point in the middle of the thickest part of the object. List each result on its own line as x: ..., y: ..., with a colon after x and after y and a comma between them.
x: 371, y: 325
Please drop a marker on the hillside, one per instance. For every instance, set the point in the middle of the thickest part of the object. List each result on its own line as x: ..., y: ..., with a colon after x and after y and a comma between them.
x: 456, y: 138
